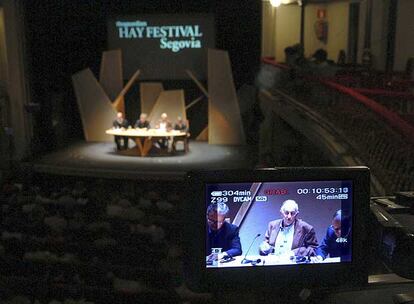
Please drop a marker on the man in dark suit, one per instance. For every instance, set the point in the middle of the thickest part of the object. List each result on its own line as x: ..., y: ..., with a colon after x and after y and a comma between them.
x: 221, y: 234
x: 337, y: 241
x: 121, y: 123
x: 289, y: 236
x: 181, y: 125
x: 142, y: 122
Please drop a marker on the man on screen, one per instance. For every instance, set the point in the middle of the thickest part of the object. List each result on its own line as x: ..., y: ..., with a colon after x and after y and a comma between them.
x: 289, y: 236
x: 337, y: 241
x: 221, y: 234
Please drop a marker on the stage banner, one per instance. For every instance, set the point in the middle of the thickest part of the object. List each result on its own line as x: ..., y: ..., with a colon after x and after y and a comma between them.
x: 163, y: 46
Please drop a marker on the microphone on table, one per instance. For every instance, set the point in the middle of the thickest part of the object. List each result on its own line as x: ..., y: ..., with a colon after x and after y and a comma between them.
x: 227, y: 258
x: 246, y: 261
x: 255, y: 262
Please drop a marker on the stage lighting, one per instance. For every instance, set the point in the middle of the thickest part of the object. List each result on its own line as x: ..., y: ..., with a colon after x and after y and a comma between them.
x: 275, y: 3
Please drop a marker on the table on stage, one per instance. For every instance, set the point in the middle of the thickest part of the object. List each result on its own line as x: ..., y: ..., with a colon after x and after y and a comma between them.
x: 265, y: 261
x: 150, y: 136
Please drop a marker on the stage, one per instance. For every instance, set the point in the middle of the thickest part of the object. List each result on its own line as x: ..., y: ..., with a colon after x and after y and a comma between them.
x: 102, y: 160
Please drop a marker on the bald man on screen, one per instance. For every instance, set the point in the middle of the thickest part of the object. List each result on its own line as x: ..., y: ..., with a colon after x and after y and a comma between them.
x: 289, y: 236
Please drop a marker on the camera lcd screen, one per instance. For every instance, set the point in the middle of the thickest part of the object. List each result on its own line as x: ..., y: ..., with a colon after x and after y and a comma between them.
x: 278, y: 223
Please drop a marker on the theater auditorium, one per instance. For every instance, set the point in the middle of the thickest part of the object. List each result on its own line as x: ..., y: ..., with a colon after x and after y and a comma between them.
x: 106, y: 106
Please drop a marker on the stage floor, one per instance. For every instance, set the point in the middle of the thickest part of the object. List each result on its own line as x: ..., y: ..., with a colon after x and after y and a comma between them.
x: 102, y: 160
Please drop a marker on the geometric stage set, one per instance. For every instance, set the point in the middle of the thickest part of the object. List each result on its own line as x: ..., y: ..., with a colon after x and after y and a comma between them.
x: 221, y: 145
x: 98, y: 101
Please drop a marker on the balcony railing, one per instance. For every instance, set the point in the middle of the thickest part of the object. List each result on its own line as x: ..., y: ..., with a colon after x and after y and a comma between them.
x: 380, y: 137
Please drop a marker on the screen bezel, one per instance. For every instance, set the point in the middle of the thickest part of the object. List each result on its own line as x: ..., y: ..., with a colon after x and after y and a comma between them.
x: 354, y: 273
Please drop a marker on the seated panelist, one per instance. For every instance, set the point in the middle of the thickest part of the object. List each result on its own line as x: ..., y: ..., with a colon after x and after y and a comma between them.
x: 289, y: 236
x: 180, y: 125
x: 221, y: 234
x: 142, y: 122
x: 163, y: 123
x: 337, y: 241
x: 120, y: 123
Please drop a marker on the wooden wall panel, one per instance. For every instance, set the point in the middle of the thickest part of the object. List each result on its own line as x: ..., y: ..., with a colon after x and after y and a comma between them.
x: 203, y: 136
x: 149, y: 93
x: 119, y: 102
x: 96, y: 110
x: 110, y: 76
x: 224, y: 120
x: 171, y: 102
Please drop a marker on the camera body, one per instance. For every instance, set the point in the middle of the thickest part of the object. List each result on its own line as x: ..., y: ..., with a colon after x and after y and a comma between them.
x: 254, y: 199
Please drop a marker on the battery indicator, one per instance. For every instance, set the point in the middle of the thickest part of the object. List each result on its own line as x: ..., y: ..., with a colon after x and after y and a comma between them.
x: 216, y: 193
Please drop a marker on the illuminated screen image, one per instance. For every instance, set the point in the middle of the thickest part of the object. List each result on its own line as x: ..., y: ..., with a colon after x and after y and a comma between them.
x: 163, y: 46
x: 278, y: 223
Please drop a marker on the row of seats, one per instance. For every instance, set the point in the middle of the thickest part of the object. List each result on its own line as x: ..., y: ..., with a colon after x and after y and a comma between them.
x: 98, y: 241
